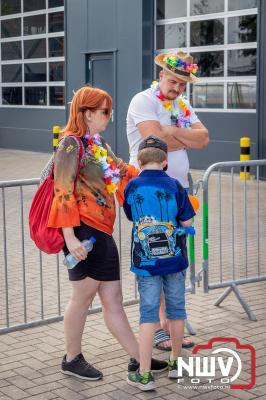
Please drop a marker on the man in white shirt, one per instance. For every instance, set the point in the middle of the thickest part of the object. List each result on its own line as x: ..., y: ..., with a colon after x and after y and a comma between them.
x: 158, y: 111
x: 161, y: 110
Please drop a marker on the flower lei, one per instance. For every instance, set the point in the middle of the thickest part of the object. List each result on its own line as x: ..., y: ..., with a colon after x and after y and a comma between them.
x: 180, y: 117
x: 108, y: 166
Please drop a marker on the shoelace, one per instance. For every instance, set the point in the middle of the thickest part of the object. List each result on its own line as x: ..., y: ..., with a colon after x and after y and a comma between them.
x: 172, y: 363
x: 146, y: 376
x: 85, y: 363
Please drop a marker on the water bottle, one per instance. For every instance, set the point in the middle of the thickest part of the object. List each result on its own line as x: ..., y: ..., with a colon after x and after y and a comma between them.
x: 70, y: 261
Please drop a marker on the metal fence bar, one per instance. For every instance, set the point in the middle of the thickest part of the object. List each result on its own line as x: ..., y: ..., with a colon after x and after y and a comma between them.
x: 258, y: 219
x: 23, y: 254
x: 220, y: 224
x: 41, y: 286
x: 205, y: 234
x: 240, y: 281
x: 233, y: 288
x: 51, y: 320
x: 245, y: 222
x: 258, y: 276
x: 120, y: 242
x: 20, y: 182
x: 5, y: 256
x: 191, y: 255
x: 233, y: 225
x: 191, y: 248
x: 58, y: 285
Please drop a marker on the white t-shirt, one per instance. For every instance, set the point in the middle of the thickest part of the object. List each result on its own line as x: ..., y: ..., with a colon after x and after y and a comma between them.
x: 145, y: 106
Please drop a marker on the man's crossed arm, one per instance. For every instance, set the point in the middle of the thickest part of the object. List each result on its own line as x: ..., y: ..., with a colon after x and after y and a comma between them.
x: 196, y: 137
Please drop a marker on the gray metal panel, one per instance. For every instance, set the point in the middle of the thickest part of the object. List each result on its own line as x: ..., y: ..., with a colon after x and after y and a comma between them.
x: 129, y: 64
x: 101, y: 73
x: 91, y: 24
x: 229, y: 126
x: 104, y: 26
x: 147, y: 42
x: 76, y: 33
x: 225, y: 130
x: 261, y: 83
x: 29, y: 129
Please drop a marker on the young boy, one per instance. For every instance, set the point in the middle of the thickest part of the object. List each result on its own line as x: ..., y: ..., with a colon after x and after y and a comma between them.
x: 159, y: 208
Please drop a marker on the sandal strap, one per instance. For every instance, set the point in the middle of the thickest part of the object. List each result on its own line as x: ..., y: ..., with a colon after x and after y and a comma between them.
x: 160, y: 336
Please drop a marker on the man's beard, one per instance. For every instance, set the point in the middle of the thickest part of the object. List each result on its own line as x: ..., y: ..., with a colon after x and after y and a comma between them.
x: 172, y: 95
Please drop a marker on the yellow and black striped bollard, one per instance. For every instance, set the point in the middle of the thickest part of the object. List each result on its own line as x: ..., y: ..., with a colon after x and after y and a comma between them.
x: 56, y: 130
x: 245, y: 156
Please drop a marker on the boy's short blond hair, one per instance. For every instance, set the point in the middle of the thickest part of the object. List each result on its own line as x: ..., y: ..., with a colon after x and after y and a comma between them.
x: 151, y: 155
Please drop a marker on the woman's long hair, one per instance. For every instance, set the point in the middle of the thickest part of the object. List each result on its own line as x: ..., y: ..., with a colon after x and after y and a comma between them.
x: 86, y: 98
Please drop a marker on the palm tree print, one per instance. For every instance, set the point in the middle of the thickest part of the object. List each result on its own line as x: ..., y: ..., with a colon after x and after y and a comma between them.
x: 132, y: 192
x: 168, y: 196
x: 160, y: 196
x: 139, y: 200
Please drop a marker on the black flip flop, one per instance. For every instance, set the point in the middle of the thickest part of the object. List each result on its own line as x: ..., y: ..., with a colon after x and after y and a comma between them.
x: 161, y: 336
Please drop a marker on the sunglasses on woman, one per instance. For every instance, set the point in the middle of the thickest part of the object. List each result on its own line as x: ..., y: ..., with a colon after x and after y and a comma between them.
x: 105, y: 111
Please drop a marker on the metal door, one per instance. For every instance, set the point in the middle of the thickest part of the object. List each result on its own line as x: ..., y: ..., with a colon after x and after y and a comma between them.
x: 101, y: 73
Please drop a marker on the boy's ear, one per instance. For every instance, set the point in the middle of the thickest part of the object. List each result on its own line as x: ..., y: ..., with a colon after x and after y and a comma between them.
x: 140, y: 164
x: 165, y: 165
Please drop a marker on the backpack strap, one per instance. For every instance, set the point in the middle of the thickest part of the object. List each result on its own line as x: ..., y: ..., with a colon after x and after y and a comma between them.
x: 81, y: 151
x: 81, y: 155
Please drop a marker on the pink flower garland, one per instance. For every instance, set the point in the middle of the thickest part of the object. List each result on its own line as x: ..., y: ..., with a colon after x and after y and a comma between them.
x: 110, y: 170
x: 178, y: 108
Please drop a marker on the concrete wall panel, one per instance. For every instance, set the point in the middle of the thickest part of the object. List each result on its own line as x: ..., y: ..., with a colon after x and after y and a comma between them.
x: 29, y: 129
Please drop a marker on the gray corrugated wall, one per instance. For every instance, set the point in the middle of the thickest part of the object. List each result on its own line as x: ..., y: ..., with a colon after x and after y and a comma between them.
x: 28, y: 128
x: 261, y: 83
x: 225, y: 130
x: 100, y: 25
x: 118, y: 24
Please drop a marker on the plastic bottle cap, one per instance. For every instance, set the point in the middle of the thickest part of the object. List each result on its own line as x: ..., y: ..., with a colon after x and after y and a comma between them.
x: 92, y: 239
x: 192, y: 230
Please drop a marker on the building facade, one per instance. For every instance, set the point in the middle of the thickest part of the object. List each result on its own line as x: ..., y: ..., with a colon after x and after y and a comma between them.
x: 50, y: 48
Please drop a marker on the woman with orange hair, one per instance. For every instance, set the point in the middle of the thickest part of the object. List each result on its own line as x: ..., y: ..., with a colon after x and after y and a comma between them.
x: 84, y: 206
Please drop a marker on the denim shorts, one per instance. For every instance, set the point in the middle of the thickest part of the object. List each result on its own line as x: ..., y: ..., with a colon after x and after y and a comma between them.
x: 150, y: 289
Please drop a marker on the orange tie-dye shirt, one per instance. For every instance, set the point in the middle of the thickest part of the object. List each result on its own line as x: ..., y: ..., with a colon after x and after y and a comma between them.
x: 87, y: 200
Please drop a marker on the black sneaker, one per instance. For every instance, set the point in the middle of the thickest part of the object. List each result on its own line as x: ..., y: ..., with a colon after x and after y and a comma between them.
x: 80, y: 368
x: 156, y: 365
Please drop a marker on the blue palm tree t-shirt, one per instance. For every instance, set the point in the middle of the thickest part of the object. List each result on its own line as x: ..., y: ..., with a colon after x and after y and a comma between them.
x: 156, y: 204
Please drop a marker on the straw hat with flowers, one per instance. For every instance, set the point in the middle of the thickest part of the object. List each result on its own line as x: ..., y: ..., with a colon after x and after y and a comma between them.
x: 179, y: 64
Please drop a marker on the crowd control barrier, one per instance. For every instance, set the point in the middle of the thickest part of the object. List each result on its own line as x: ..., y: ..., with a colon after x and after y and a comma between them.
x: 234, y: 229
x: 34, y: 286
